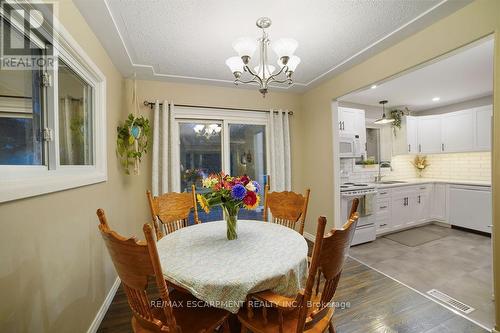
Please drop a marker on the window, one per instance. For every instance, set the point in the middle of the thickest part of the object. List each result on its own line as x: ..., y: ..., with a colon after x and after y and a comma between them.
x: 21, y: 118
x: 52, y: 119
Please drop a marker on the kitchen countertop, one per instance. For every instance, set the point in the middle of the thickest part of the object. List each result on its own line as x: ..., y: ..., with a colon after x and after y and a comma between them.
x: 415, y: 181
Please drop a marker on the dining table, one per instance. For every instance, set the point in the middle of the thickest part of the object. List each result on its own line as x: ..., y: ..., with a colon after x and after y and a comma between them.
x: 222, y: 272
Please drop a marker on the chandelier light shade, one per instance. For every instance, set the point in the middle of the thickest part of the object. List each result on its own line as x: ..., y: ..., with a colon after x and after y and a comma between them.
x: 262, y: 73
x: 245, y: 46
x: 384, y: 120
x: 284, y: 47
x: 235, y: 64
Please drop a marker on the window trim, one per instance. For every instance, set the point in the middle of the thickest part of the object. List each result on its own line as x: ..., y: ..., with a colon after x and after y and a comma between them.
x: 22, y: 181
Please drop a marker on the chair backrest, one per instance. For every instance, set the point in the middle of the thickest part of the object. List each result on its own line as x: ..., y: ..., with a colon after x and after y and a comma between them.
x: 135, y: 261
x: 329, y: 254
x: 287, y: 208
x: 171, y: 210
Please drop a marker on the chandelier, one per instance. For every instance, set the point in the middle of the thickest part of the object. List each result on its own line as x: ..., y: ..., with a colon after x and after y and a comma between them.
x: 207, y: 131
x: 264, y: 74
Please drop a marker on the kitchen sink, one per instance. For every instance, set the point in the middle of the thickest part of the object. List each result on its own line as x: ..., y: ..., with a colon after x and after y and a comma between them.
x: 392, y: 182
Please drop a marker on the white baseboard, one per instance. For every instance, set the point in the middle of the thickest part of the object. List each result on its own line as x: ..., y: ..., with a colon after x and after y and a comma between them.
x: 104, y: 307
x: 309, y: 237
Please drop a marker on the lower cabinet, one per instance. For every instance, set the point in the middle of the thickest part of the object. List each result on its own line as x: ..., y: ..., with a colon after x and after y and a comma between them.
x: 461, y: 205
x: 403, y: 207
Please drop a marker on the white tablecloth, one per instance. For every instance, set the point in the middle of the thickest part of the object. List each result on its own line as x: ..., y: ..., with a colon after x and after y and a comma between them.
x: 221, y: 272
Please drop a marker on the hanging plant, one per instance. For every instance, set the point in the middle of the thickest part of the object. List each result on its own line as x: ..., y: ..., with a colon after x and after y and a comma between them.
x: 132, y: 142
x: 397, y: 115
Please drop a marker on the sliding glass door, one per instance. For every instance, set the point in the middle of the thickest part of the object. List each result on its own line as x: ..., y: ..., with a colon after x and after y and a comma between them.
x: 247, y: 156
x: 234, y: 145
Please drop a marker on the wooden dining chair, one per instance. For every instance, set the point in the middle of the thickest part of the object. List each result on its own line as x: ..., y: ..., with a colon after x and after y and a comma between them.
x: 137, y: 261
x: 310, y: 311
x: 287, y: 208
x: 170, y: 211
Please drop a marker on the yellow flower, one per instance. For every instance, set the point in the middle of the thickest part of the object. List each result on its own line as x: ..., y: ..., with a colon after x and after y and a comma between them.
x: 255, y: 205
x: 203, y: 203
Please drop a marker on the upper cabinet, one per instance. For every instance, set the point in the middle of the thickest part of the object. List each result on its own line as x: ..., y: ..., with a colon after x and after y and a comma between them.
x: 462, y: 131
x: 429, y: 134
x: 458, y: 131
x: 483, y: 116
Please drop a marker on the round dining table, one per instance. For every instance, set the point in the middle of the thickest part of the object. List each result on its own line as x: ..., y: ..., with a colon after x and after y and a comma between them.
x: 222, y: 272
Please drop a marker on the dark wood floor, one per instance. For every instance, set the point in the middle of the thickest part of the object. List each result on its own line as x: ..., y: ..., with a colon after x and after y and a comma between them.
x: 373, y: 303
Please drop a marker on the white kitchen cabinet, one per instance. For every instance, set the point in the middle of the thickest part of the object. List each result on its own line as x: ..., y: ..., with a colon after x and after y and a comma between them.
x: 422, y: 203
x: 384, y: 220
x: 402, y: 209
x: 471, y: 207
x: 458, y: 131
x: 483, y: 116
x: 439, y: 202
x: 405, y: 139
x: 429, y: 134
x: 461, y: 131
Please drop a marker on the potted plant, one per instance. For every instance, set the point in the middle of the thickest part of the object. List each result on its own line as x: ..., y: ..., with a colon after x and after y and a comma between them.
x: 132, y: 142
x: 368, y: 163
x: 232, y: 193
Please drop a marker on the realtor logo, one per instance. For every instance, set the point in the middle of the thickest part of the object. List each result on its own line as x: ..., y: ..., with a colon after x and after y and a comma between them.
x: 26, y: 29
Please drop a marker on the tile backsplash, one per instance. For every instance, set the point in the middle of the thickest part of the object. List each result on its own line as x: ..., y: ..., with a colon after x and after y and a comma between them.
x: 457, y: 166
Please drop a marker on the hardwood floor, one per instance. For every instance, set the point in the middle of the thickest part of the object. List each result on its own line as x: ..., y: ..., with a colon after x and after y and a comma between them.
x: 367, y: 302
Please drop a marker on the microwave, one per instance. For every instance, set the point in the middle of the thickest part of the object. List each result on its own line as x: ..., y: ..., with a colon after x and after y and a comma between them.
x: 349, y: 146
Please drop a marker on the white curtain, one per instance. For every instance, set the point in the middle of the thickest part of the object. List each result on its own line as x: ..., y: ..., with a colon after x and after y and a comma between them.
x: 161, y: 140
x: 281, y: 178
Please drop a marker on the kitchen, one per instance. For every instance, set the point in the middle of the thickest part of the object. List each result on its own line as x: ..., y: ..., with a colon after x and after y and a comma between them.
x: 417, y: 150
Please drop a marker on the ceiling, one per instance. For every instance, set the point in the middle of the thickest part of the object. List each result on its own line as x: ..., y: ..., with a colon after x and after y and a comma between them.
x: 189, y: 41
x: 464, y: 75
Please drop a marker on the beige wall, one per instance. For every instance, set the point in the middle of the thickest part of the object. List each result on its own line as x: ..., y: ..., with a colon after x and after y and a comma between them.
x: 238, y: 97
x: 55, y: 271
x: 474, y: 21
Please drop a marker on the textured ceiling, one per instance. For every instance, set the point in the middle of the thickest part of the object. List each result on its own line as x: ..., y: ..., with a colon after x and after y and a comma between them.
x: 463, y: 76
x: 190, y: 40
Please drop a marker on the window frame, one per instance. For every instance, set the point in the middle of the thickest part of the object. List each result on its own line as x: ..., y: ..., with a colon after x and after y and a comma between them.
x: 22, y: 181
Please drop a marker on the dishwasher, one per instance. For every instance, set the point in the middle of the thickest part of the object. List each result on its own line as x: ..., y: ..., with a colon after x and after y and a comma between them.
x: 471, y: 207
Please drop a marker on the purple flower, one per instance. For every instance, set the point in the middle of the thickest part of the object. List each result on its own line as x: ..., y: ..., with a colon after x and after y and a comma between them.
x: 238, y: 192
x: 257, y: 186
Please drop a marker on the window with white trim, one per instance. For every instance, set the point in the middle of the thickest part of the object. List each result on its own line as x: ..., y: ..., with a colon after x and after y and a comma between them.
x: 52, y: 120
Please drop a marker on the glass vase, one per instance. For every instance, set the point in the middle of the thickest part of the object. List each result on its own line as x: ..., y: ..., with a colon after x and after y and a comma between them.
x: 231, y: 216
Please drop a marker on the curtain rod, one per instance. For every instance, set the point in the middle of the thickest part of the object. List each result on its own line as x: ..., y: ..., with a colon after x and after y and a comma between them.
x: 152, y: 104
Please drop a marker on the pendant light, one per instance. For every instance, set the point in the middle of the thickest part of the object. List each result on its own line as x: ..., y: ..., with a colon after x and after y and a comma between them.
x: 384, y: 120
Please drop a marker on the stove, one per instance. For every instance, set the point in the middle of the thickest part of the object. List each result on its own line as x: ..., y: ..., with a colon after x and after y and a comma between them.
x: 365, y: 228
x: 347, y: 187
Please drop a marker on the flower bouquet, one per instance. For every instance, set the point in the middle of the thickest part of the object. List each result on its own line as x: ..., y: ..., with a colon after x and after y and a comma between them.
x: 231, y: 193
x: 420, y: 162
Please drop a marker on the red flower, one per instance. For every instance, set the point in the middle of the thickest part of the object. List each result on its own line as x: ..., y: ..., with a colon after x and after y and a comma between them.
x: 250, y: 199
x: 245, y: 180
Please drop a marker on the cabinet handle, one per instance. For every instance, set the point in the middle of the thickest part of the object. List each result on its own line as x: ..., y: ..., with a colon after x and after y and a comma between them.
x: 442, y: 147
x: 419, y: 148
x: 383, y: 207
x: 423, y: 188
x: 340, y: 125
x: 343, y: 125
x: 409, y: 148
x: 383, y: 225
x: 419, y: 199
x: 383, y: 193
